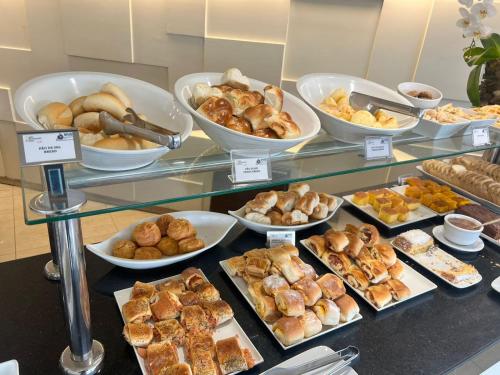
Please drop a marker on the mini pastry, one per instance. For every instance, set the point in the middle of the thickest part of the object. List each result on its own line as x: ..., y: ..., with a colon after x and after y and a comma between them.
x: 198, y: 342
x: 331, y: 286
x: 202, y: 92
x: 279, y: 255
x: 369, y: 234
x: 357, y: 278
x: 160, y: 355
x: 299, y: 187
x: 286, y: 201
x: 307, y: 269
x: 138, y: 334
x: 256, y: 290
x: 124, y: 249
x: 399, y: 290
x: 218, y: 311
x: 236, y: 265
x: 101, y: 101
x: 55, y: 114
x: 265, y: 133
x: 136, y: 310
x: 414, y: 241
x: 275, y: 216
x: 385, y: 253
x: 112, y: 89
x: 273, y: 96
x: 257, y: 217
x: 289, y: 248
x: 355, y: 245
x: 239, y: 124
x: 218, y: 110
x: 203, y: 364
x: 259, y: 253
x: 249, y: 279
x: 294, y: 217
x: 311, y: 323
x: 174, y: 286
x: 290, y: 303
x: 189, y: 298
x: 269, y: 198
x: 76, y: 106
x: 379, y: 295
x: 234, y: 78
x: 360, y: 198
x: 336, y: 241
x: 288, y: 330
x: 141, y: 289
x: 188, y: 245
x: 192, y: 277
x: 396, y: 270
x: 260, y: 207
x: 165, y: 305
x: 308, y: 202
x: 267, y: 310
x: 194, y: 319
x: 257, y: 267
x: 327, y: 312
x: 317, y: 244
x: 320, y: 211
x: 374, y: 269
x: 273, y: 284
x: 170, y: 330
x: 230, y: 355
x: 147, y: 252
x: 177, y: 369
x: 256, y: 116
x: 207, y: 292
x: 329, y: 200
x: 388, y: 215
x: 340, y: 262
x: 283, y: 125
x: 146, y: 234
x: 310, y: 290
x: 163, y: 222
x: 179, y: 229
x: 168, y: 246
x: 290, y: 270
x: 348, y: 308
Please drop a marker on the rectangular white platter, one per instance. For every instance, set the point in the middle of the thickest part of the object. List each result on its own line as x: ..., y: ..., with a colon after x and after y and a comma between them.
x: 486, y: 203
x: 400, y: 189
x: 490, y: 239
x: 417, y: 283
x: 227, y: 329
x: 417, y: 259
x: 421, y: 213
x: 242, y: 287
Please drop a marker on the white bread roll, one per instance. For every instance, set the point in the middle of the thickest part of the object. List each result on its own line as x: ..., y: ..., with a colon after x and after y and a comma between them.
x: 105, y: 102
x: 234, y: 78
x: 117, y: 142
x: 76, y: 106
x: 88, y: 120
x: 55, y: 113
x: 88, y: 138
x: 112, y: 89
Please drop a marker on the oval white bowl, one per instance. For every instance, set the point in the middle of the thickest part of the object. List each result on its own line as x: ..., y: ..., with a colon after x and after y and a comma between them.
x: 436, y: 130
x: 157, y: 104
x: 404, y: 87
x: 230, y: 139
x: 315, y: 87
x: 263, y: 228
x: 211, y: 227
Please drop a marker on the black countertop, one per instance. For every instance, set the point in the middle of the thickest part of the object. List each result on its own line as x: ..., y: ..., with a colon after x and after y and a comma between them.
x: 427, y: 335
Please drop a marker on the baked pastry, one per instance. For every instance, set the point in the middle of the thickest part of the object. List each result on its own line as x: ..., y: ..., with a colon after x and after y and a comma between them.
x: 357, y: 278
x: 249, y: 279
x: 261, y: 207
x: 273, y: 96
x: 236, y: 265
x: 175, y: 286
x: 273, y: 284
x: 320, y: 211
x: 294, y: 217
x: 89, y: 121
x: 239, y: 124
x: 289, y: 248
x: 230, y: 355
x: 286, y: 201
x: 279, y: 255
x: 300, y: 187
x: 165, y: 305
x: 136, y: 310
x: 317, y: 244
x: 146, y: 234
x: 329, y: 200
x: 55, y: 114
x: 207, y: 292
x: 379, y: 295
x: 267, y: 310
x: 290, y: 302
x: 336, y: 241
x: 340, y: 262
x: 188, y: 245
x: 177, y: 369
x: 399, y: 290
x: 168, y: 246
x: 374, y: 269
x: 283, y: 125
x: 147, y: 252
x: 275, y: 216
x: 307, y: 269
x: 256, y: 290
x: 369, y: 234
x: 257, y: 116
x: 234, y: 78
x: 241, y: 100
x: 414, y: 241
x: 290, y: 270
x: 218, y: 110
x: 160, y: 355
x: 257, y: 217
x: 76, y: 106
x: 189, y: 298
x: 310, y: 290
x: 270, y: 198
x: 348, y: 308
x: 141, y: 289
x: 170, y: 330
x: 138, y: 334
x: 311, y: 323
x: 102, y: 101
x: 194, y: 319
x: 117, y: 142
x: 112, y: 89
x: 385, y: 253
x: 199, y: 342
x: 265, y: 133
x: 179, y: 229
x: 202, y: 363
x: 308, y: 202
x: 331, y: 286
x: 288, y: 330
x: 355, y: 244
x: 257, y: 267
x: 202, y: 92
x: 192, y: 277
x: 327, y: 312
x: 163, y: 222
x: 124, y: 249
x: 218, y: 311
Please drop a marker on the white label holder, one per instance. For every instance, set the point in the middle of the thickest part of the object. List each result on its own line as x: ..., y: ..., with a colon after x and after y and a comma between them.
x: 480, y: 137
x: 250, y: 166
x: 277, y: 238
x: 378, y: 147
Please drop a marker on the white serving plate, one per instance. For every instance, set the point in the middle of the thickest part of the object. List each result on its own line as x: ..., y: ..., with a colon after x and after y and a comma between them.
x: 438, y: 233
x: 314, y: 88
x: 315, y: 353
x: 400, y: 189
x: 419, y: 259
x: 263, y: 228
x: 421, y: 213
x: 495, y: 284
x: 9, y: 367
x: 211, y: 227
x: 490, y: 239
x: 483, y: 123
x: 242, y: 287
x: 225, y: 330
x: 230, y: 139
x: 436, y: 130
x: 157, y: 104
x: 486, y: 203
x: 417, y: 283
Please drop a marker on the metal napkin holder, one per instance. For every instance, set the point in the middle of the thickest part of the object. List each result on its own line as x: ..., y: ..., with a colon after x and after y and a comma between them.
x: 372, y: 104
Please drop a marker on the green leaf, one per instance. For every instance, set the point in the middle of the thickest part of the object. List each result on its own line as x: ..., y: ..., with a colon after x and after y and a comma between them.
x: 490, y: 53
x: 473, y: 85
x: 471, y: 53
x: 492, y: 41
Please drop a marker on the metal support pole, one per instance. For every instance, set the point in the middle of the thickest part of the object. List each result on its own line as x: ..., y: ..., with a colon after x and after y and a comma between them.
x: 51, y: 269
x: 492, y: 155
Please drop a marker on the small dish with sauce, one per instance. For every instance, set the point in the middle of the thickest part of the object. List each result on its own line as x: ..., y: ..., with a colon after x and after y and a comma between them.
x: 461, y: 229
x: 420, y: 95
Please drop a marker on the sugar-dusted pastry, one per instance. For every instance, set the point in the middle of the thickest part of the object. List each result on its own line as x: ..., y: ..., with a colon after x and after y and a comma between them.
x: 275, y: 216
x: 194, y: 319
x: 348, y: 308
x: 207, y: 292
x: 414, y: 241
x: 236, y: 265
x: 336, y: 241
x: 369, y: 234
x: 138, y: 334
x: 170, y: 330
x: 290, y: 270
x: 308, y: 202
x: 257, y: 266
x: 218, y: 110
x: 311, y: 323
x: 385, y: 253
x: 300, y: 187
x: 399, y: 290
x: 273, y: 284
x: 379, y: 295
x: 286, y: 200
x: 147, y: 252
x: 310, y: 290
x: 141, y: 289
x: 165, y: 305
x: 124, y: 249
x: 327, y: 311
x: 160, y: 355
x: 267, y: 309
x: 218, y: 311
x: 290, y: 303
x: 146, y: 234
x: 230, y: 355
x: 189, y: 298
x: 288, y: 330
x: 180, y: 229
x: 357, y: 278
x: 295, y: 217
x: 192, y: 277
x: 340, y: 262
x: 136, y: 310
x: 177, y: 369
x: 355, y: 244
x: 168, y: 246
x: 307, y: 269
x: 163, y: 222
x: 320, y: 211
x: 331, y: 286
x: 396, y: 270
x: 317, y: 244
x: 260, y: 218
x: 329, y: 200
x: 188, y: 245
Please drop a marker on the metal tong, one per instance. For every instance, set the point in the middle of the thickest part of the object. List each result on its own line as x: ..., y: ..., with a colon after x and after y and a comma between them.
x: 372, y: 104
x: 343, y: 358
x: 139, y: 128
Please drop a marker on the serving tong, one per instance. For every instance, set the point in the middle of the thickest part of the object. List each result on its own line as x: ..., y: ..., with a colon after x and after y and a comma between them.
x: 138, y: 127
x: 371, y: 104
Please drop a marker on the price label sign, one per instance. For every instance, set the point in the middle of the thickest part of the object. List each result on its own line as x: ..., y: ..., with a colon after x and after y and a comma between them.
x: 277, y: 238
x: 378, y: 148
x: 49, y: 147
x: 250, y: 166
x: 480, y: 137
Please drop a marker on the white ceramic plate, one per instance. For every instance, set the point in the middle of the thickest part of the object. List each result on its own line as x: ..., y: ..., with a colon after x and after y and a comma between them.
x: 211, y: 227
x: 486, y: 203
x: 263, y: 228
x: 421, y: 213
x: 230, y: 139
x: 9, y: 367
x: 225, y: 330
x: 242, y: 287
x: 157, y: 104
x: 424, y: 258
x: 438, y: 233
x: 417, y: 283
x: 496, y: 284
x: 436, y: 130
x: 313, y: 354
x: 314, y: 88
x: 483, y: 123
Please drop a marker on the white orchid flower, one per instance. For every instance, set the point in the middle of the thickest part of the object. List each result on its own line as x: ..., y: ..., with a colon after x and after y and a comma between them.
x: 484, y: 9
x: 467, y: 3
x: 477, y: 30
x: 467, y: 19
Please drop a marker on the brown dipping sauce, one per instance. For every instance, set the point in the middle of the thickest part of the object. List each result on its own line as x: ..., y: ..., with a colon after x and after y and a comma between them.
x: 463, y: 223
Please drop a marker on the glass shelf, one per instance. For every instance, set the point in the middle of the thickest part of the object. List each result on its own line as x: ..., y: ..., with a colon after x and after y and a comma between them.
x: 200, y: 169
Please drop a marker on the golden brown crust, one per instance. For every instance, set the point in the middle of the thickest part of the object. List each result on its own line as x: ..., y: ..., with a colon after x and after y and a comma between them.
x: 189, y: 298
x: 170, y: 330
x: 179, y: 229
x: 357, y: 278
x: 338, y: 261
x: 168, y: 246
x: 308, y: 202
x: 218, y: 110
x: 230, y: 355
x: 311, y: 323
x: 207, y: 292
x: 161, y: 355
x: 138, y: 334
x: 355, y: 244
x: 165, y: 305
x: 331, y: 286
x: 175, y: 286
x: 348, y: 307
x: 379, y: 295
x: 136, y: 310
x: 236, y: 265
x: 396, y: 270
x: 257, y: 266
x: 288, y: 330
x: 147, y: 252
x: 192, y: 277
x: 163, y: 222
x: 239, y: 124
x: 385, y: 253
x: 336, y: 241
x: 194, y: 319
x: 267, y: 310
x: 399, y: 290
x: 369, y: 234
x: 218, y: 311
x: 146, y: 234
x: 188, y: 245
x: 177, y: 369
x: 141, y: 289
x: 124, y: 249
x: 327, y: 311
x: 290, y: 302
x: 307, y: 269
x: 317, y: 244
x: 310, y: 290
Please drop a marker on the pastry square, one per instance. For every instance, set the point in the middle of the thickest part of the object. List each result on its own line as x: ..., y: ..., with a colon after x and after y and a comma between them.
x: 230, y: 355
x: 218, y: 311
x: 165, y: 305
x: 160, y: 355
x: 136, y: 310
x: 414, y: 241
x: 170, y: 330
x: 198, y: 343
x: 141, y: 289
x: 194, y: 319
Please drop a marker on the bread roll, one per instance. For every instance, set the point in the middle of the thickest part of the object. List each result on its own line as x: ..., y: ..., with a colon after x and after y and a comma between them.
x: 396, y: 270
x: 307, y: 269
x: 290, y: 303
x: 234, y: 78
x: 138, y: 334
x: 257, y: 115
x: 336, y: 241
x: 385, y: 253
x: 369, y: 234
x: 320, y: 211
x: 340, y: 262
x: 89, y: 138
x: 379, y: 295
x: 310, y: 290
x: 327, y: 311
x: 202, y: 92
x: 276, y: 217
x: 105, y: 102
x: 317, y: 244
x: 283, y: 125
x: 112, y: 89
x: 53, y: 114
x: 267, y: 310
x: 357, y: 278
x: 329, y: 200
x: 274, y: 284
x: 288, y: 330
x: 308, y: 202
x: 399, y: 290
x: 76, y: 106
x: 89, y: 121
x: 286, y: 201
x: 273, y: 96
x: 331, y: 286
x: 118, y: 142
x: 348, y: 308
x: 241, y: 100
x: 355, y: 245
x: 291, y: 271
x: 218, y: 110
x: 300, y: 187
x: 239, y: 124
x: 296, y: 217
x: 311, y: 323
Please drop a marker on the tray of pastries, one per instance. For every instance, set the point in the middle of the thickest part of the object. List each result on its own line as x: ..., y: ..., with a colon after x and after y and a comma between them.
x: 295, y: 304
x: 471, y: 176
x: 368, y: 265
x: 389, y: 208
x: 161, y: 240
x: 438, y: 197
x: 420, y: 247
x: 180, y: 325
x: 296, y: 209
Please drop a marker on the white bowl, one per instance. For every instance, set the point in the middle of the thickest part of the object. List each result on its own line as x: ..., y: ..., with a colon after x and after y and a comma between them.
x: 314, y: 88
x: 458, y: 235
x: 481, y: 123
x: 230, y: 139
x: 405, y: 87
x: 436, y: 130
x: 157, y: 104
x: 263, y: 228
x: 211, y: 227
